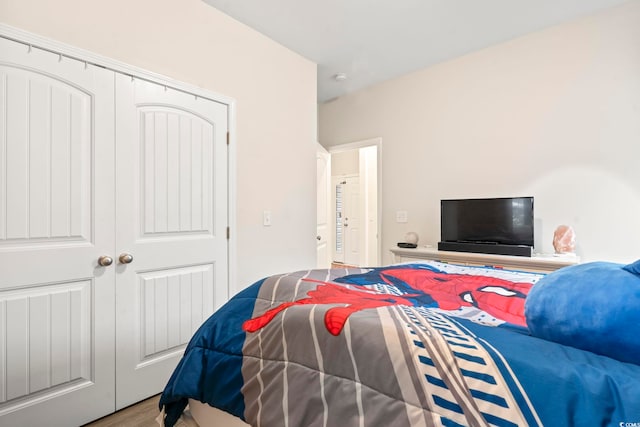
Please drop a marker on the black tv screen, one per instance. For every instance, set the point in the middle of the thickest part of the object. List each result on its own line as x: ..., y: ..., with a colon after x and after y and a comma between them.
x: 506, y: 221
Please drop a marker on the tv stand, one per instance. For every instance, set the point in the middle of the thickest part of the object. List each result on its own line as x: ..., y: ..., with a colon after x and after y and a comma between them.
x: 537, y: 263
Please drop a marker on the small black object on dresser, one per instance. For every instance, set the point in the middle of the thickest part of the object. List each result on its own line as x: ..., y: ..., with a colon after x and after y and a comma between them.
x: 407, y: 245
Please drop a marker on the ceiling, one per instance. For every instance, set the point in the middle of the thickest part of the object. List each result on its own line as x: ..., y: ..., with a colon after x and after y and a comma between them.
x: 370, y: 41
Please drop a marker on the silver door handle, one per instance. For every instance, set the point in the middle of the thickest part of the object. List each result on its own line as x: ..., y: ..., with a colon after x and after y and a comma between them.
x: 105, y: 261
x: 125, y: 258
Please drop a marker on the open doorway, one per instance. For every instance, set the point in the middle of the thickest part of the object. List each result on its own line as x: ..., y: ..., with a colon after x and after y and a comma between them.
x: 354, y: 204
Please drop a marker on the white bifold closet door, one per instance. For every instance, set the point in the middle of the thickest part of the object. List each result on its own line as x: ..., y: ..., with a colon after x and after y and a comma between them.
x: 95, y: 164
x: 171, y: 199
x: 57, y: 217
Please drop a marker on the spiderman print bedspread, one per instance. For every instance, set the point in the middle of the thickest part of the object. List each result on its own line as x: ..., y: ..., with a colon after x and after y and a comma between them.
x: 426, y: 344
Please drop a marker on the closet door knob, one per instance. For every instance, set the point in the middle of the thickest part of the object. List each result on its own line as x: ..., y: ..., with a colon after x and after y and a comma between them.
x: 125, y: 258
x: 105, y: 261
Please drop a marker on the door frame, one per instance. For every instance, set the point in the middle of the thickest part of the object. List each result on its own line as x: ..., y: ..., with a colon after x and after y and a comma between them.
x: 68, y: 51
x: 356, y: 145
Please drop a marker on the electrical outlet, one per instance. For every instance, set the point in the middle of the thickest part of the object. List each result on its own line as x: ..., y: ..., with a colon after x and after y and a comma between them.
x: 266, y: 218
x: 401, y: 216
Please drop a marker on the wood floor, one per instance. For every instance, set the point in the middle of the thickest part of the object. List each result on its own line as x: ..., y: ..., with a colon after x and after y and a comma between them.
x: 142, y: 414
x: 340, y: 265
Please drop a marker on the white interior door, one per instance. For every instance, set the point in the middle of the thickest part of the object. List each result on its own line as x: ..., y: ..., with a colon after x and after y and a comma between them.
x: 337, y: 212
x: 56, y: 220
x: 172, y: 219
x: 346, y: 222
x: 323, y: 182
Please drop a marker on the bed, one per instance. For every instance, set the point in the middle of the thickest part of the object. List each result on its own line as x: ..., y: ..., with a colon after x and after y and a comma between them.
x: 419, y: 344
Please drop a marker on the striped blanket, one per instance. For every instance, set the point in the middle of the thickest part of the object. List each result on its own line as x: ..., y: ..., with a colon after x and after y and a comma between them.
x: 426, y: 344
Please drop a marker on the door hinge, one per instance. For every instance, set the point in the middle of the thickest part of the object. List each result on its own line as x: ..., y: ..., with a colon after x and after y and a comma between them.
x: 228, y: 233
x: 227, y: 138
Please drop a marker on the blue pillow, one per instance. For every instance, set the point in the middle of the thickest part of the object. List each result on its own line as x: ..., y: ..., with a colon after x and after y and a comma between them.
x: 593, y: 306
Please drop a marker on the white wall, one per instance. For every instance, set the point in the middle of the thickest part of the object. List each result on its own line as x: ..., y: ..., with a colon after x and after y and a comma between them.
x: 275, y: 91
x: 555, y: 115
x: 345, y: 163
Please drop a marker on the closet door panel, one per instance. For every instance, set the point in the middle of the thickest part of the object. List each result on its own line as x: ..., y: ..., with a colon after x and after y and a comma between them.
x: 172, y: 218
x: 48, y: 343
x: 56, y: 220
x: 46, y: 153
x: 185, y: 290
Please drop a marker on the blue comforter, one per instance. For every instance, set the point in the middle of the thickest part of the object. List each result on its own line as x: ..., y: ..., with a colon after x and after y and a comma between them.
x: 408, y: 345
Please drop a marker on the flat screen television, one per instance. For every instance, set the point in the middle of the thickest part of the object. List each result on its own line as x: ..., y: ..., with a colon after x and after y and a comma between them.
x: 495, y: 221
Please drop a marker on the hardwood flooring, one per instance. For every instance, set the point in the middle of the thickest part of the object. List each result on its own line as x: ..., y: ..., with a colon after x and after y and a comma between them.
x: 340, y: 265
x: 141, y: 414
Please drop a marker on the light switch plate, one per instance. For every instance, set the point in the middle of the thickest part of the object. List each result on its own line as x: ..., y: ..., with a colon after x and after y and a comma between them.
x: 266, y: 218
x: 401, y: 216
